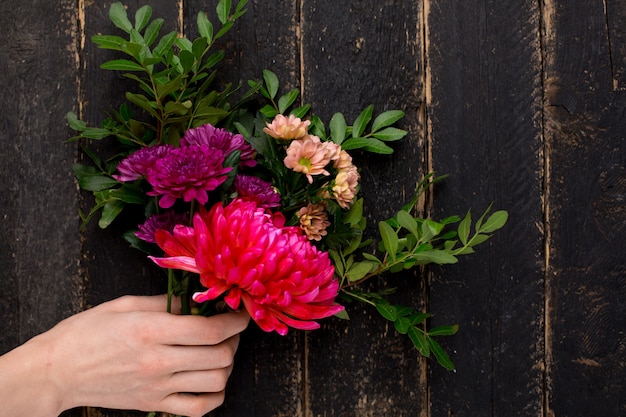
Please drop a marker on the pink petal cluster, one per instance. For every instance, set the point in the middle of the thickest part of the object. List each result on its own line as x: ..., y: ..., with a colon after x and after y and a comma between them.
x: 258, y: 190
x: 222, y: 139
x: 287, y: 128
x: 166, y: 221
x: 239, y: 252
x: 189, y: 173
x: 137, y: 164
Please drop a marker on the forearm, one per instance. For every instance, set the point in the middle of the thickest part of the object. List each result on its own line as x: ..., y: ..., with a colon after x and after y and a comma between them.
x: 25, y: 387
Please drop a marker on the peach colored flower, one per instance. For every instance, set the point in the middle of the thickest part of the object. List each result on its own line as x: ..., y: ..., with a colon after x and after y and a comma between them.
x: 314, y: 221
x: 345, y: 186
x: 308, y: 155
x: 287, y: 128
x: 343, y: 160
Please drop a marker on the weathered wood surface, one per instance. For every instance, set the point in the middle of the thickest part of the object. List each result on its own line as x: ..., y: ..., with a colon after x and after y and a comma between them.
x: 521, y: 102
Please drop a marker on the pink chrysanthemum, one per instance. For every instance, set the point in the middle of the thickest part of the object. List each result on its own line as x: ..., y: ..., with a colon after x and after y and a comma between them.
x: 137, y: 164
x: 287, y: 128
x: 189, y: 173
x: 280, y: 277
x: 258, y: 190
x: 221, y: 139
x: 165, y: 221
x: 308, y: 155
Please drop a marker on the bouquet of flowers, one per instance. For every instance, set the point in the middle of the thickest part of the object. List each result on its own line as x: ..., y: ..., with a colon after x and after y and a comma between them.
x: 250, y: 200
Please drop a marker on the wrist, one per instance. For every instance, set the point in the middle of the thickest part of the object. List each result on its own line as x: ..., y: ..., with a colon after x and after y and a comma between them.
x: 26, y: 388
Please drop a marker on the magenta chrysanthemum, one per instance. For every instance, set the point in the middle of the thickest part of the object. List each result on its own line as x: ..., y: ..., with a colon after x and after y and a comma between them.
x: 137, y: 164
x: 281, y: 278
x: 221, y: 139
x: 165, y: 221
x: 189, y: 173
x: 258, y: 190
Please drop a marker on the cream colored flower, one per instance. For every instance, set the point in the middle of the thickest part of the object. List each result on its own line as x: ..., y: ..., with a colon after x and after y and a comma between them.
x: 314, y: 221
x: 345, y: 186
x: 287, y: 128
x: 308, y: 155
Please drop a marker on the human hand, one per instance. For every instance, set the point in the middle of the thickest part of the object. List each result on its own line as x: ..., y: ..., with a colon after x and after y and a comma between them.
x: 130, y: 354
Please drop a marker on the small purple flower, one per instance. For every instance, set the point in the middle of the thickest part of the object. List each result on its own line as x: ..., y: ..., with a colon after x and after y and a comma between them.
x: 220, y: 139
x: 165, y: 221
x: 189, y: 173
x: 137, y: 164
x: 257, y: 190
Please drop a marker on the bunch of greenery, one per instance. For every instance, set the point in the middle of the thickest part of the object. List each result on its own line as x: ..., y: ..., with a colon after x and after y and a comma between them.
x: 177, y: 88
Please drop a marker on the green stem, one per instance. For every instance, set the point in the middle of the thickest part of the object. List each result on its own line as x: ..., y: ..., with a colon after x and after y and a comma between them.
x: 170, y: 289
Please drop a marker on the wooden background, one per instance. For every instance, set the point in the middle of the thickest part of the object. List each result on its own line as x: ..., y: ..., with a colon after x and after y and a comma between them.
x: 521, y: 102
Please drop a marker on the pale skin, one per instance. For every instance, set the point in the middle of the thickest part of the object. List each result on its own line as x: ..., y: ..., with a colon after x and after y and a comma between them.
x: 124, y: 354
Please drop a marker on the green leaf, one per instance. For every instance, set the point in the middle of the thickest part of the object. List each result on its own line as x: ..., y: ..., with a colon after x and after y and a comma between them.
x: 117, y: 14
x: 441, y: 356
x: 142, y: 17
x: 359, y: 269
x: 464, y: 228
x: 96, y: 133
x: 372, y: 258
x: 436, y: 256
x: 74, y: 123
x: 338, y: 128
x: 390, y: 134
x: 96, y: 182
x: 443, y: 330
x: 390, y: 239
x: 386, y: 119
x: 223, y: 10
x: 205, y: 27
x: 355, y: 214
x: 165, y: 44
x: 142, y: 102
x: 152, y: 31
x: 369, y: 144
x: 122, y: 65
x: 419, y: 340
x: 129, y: 194
x: 109, y: 212
x: 408, y: 222
x: 271, y: 82
x: 387, y: 311
x: 361, y: 122
x: 478, y: 239
x: 402, y: 325
x: 287, y: 100
x: 495, y: 221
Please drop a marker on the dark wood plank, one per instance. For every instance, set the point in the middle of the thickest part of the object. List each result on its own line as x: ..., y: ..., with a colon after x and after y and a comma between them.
x: 356, y: 54
x: 585, y: 128
x: 485, y: 119
x: 39, y: 249
x: 112, y: 267
x: 616, y: 37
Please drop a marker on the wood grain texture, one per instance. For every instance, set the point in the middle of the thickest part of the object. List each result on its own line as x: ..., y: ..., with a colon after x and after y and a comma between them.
x: 587, y: 152
x: 39, y: 247
x: 100, y: 92
x: 521, y: 102
x: 485, y: 119
x: 356, y: 54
